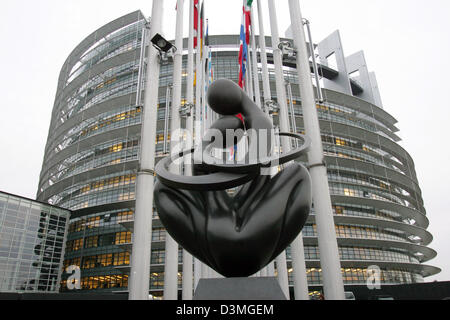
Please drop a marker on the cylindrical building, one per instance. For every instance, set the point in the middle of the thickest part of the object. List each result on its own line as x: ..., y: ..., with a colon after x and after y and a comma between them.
x: 91, y: 161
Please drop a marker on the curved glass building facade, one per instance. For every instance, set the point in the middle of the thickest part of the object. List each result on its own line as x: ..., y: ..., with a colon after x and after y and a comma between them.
x: 92, y: 152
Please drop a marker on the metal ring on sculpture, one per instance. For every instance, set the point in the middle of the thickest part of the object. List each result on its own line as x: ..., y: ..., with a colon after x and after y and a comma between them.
x: 209, y: 164
x: 210, y: 182
x: 229, y: 176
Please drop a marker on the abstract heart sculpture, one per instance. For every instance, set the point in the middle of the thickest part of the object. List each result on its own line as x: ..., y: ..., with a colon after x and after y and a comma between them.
x: 235, y: 235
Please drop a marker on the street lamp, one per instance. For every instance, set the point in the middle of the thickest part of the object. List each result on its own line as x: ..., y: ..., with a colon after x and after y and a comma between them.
x: 271, y: 107
x: 186, y: 110
x: 287, y: 50
x: 165, y: 48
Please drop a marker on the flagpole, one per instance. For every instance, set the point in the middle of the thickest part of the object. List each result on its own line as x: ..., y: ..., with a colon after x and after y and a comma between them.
x: 143, y: 217
x: 141, y: 66
x: 197, y: 263
x: 250, y: 78
x: 171, y: 252
x: 257, y: 89
x: 198, y: 92
x: 247, y: 81
x: 313, y: 56
x: 199, y: 267
x: 204, y: 126
x: 329, y: 253
x: 249, y: 74
x: 205, y: 268
x: 262, y: 45
x: 197, y: 272
x: 204, y: 104
x: 270, y: 270
x: 187, y: 293
x: 210, y: 111
x: 208, y: 79
x: 284, y: 125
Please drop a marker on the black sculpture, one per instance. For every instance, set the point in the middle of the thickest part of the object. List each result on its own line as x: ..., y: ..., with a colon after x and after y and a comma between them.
x: 236, y: 236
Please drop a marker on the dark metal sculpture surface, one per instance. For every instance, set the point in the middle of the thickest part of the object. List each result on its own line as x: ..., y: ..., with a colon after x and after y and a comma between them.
x: 235, y: 235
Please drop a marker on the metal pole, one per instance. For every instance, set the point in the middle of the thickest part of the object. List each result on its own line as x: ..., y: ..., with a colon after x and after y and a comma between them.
x: 204, y: 105
x: 198, y: 83
x: 198, y: 265
x: 262, y: 45
x: 247, y: 82
x: 171, y: 261
x: 291, y: 109
x: 190, y: 75
x: 197, y: 272
x: 270, y: 269
x: 187, y: 258
x: 141, y: 67
x: 250, y: 76
x: 141, y: 252
x: 207, y: 82
x: 197, y: 123
x: 167, y: 116
x: 301, y: 291
x: 329, y: 255
x: 284, y: 124
x: 257, y: 89
x: 316, y: 72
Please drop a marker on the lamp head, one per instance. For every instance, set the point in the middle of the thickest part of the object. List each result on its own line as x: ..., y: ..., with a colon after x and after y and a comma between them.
x: 161, y: 44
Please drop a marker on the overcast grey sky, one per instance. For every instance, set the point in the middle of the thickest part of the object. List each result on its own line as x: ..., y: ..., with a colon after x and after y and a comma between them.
x: 406, y: 42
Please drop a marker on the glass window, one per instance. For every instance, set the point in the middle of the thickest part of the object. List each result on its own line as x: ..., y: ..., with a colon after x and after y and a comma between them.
x: 123, y: 237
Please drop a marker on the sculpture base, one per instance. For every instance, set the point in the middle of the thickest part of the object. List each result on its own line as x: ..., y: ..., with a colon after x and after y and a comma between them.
x: 239, y: 289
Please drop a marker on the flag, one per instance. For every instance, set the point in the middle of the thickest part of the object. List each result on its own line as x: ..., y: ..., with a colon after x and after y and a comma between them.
x: 196, y: 29
x: 231, y: 156
x: 210, y: 68
x: 243, y: 53
x: 208, y: 58
x: 243, y: 50
x: 195, y: 22
x: 232, y: 153
x: 212, y: 74
x: 248, y: 20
